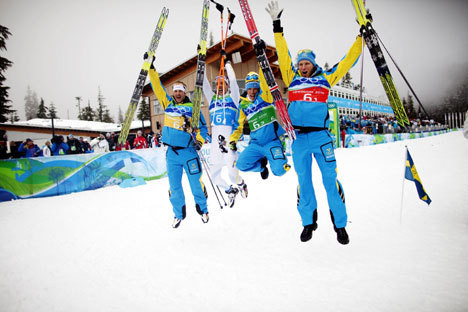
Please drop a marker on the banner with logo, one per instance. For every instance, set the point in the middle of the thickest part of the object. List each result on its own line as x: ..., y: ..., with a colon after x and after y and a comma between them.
x: 57, y: 175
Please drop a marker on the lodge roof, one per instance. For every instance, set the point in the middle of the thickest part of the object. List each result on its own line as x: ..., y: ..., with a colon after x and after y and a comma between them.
x: 234, y: 43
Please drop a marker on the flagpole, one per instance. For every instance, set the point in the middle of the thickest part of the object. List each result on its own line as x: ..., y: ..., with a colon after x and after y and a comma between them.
x: 403, y: 185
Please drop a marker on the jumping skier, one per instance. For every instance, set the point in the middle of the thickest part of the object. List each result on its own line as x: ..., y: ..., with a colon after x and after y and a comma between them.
x: 224, y: 108
x: 181, y: 148
x: 309, y: 86
x: 265, y: 146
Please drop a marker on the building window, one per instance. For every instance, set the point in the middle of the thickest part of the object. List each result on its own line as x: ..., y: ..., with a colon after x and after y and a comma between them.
x: 157, y: 108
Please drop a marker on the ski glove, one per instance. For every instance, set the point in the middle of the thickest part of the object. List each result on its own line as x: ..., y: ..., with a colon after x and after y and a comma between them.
x: 223, y: 54
x: 274, y: 11
x: 145, y: 56
x: 233, y: 145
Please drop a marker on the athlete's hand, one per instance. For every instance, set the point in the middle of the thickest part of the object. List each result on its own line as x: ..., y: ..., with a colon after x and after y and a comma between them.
x: 274, y: 10
x: 223, y: 54
x: 145, y: 57
x: 198, y: 145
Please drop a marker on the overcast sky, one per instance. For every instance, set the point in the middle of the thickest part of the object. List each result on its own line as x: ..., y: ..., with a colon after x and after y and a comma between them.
x: 63, y: 48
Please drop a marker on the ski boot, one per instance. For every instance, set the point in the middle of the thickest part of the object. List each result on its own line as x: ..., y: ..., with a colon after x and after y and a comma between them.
x: 243, y: 189
x: 232, y: 192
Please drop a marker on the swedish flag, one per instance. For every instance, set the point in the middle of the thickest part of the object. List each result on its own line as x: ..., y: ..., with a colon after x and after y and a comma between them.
x: 412, y: 175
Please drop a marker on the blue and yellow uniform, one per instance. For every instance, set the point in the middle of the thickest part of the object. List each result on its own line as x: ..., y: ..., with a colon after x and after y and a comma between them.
x: 265, y: 130
x: 181, y: 153
x: 308, y: 111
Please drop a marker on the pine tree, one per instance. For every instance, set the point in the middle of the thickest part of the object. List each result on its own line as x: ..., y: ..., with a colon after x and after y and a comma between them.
x: 411, y: 111
x: 5, y: 108
x: 458, y: 102
x: 78, y: 98
x: 87, y: 113
x: 106, y: 117
x: 52, y: 111
x: 14, y: 117
x: 102, y: 112
x: 31, y: 104
x: 121, y: 117
x: 347, y: 80
x: 42, y: 113
x: 101, y: 106
x: 144, y: 111
x: 211, y: 42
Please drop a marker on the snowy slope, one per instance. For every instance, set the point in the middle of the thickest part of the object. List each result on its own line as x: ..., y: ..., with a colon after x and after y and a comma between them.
x: 113, y: 249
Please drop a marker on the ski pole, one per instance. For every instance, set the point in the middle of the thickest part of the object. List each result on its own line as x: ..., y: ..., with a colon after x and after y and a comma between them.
x: 205, y: 165
x: 360, y: 86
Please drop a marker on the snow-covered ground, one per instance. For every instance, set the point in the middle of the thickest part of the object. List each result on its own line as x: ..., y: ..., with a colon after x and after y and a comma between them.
x: 113, y: 249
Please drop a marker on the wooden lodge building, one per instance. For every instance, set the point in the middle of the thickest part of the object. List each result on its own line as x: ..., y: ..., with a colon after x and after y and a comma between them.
x: 240, y: 52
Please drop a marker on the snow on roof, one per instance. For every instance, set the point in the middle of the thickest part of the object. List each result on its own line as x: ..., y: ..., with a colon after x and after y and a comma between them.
x: 79, y: 124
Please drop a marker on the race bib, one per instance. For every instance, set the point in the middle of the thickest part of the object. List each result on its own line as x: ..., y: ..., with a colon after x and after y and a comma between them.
x: 262, y: 118
x: 314, y: 94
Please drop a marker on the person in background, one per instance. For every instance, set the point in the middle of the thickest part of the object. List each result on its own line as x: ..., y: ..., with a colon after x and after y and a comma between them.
x: 465, y: 126
x: 157, y: 139
x: 140, y: 141
x: 73, y: 144
x: 150, y: 139
x: 29, y: 149
x: 3, y: 150
x: 308, y: 87
x: 154, y: 141
x: 46, y: 149
x: 100, y: 144
x: 84, y: 146
x: 343, y: 135
x: 59, y: 147
x: 111, y: 141
x: 14, y: 150
x: 123, y: 147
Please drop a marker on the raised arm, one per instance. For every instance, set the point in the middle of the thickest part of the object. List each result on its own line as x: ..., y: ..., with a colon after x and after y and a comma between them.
x: 266, y: 94
x: 284, y: 57
x: 335, y: 74
x: 207, y: 91
x: 158, y: 89
x: 235, y: 95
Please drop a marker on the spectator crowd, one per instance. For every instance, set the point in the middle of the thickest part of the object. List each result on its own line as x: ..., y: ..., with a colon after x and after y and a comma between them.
x: 383, y: 125
x: 59, y: 146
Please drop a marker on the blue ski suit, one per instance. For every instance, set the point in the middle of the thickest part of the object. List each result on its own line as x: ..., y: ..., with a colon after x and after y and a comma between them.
x: 308, y: 111
x: 264, y: 136
x: 181, y: 153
